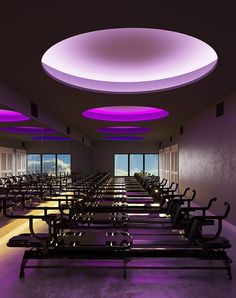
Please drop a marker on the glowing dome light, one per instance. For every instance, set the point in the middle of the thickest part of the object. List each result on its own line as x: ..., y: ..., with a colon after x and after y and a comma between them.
x: 50, y: 138
x: 129, y: 60
x: 12, y: 116
x: 28, y: 130
x: 123, y: 129
x: 125, y: 113
x: 123, y: 138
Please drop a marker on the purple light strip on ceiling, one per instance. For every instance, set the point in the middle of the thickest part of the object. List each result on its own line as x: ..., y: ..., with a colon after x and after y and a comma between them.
x: 125, y: 113
x: 123, y: 138
x: 124, y: 129
x: 12, y: 116
x: 28, y: 130
x: 50, y: 138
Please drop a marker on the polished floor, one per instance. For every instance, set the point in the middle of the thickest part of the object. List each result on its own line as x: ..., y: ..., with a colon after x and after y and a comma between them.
x: 108, y: 283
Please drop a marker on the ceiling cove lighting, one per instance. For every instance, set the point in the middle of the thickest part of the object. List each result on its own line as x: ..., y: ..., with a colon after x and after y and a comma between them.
x: 28, y: 130
x: 123, y: 138
x: 50, y: 138
x: 125, y: 113
x: 12, y: 116
x: 129, y: 60
x: 124, y: 129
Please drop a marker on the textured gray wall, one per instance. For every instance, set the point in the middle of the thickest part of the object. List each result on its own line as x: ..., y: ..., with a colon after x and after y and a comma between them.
x: 207, y: 156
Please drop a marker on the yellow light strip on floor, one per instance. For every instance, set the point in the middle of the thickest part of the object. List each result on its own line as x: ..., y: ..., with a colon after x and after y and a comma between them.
x: 19, y: 226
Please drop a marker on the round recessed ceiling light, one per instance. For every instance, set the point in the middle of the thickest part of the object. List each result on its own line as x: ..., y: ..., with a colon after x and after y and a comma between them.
x: 125, y: 113
x: 123, y: 129
x: 129, y: 60
x: 50, y: 138
x: 12, y: 116
x: 28, y: 130
x: 123, y: 138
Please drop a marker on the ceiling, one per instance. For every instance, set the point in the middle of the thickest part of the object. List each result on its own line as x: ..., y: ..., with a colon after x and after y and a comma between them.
x: 17, y: 136
x: 29, y: 28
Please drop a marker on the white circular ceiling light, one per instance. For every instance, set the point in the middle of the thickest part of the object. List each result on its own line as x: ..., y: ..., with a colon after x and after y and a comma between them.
x: 129, y: 60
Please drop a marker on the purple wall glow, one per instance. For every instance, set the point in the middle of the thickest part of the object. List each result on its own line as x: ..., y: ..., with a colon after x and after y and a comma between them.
x: 125, y: 113
x: 12, y: 116
x: 207, y: 157
x: 124, y: 129
x: 129, y: 60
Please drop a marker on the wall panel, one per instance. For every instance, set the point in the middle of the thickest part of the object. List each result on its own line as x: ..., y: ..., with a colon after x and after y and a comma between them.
x: 207, y: 156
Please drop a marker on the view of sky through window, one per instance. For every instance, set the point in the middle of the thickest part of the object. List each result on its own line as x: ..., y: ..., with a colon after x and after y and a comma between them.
x: 33, y: 163
x: 136, y: 163
x: 63, y: 163
x: 121, y: 164
x: 49, y: 163
x: 129, y: 164
x: 151, y: 163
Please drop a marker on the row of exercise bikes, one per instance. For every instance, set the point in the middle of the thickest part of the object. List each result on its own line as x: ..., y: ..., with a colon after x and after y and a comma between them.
x: 115, y: 222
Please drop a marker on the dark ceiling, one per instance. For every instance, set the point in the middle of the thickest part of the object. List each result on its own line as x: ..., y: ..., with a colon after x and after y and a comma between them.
x: 29, y: 28
x: 17, y: 136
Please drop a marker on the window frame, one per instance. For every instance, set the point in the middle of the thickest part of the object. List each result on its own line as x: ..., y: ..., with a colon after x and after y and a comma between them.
x: 144, y: 161
x: 42, y: 162
x: 135, y: 153
x: 40, y: 155
x: 143, y: 154
x: 70, y: 161
x: 41, y: 159
x: 115, y: 163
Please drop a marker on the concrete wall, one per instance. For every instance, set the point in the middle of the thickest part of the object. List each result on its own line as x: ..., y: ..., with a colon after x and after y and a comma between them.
x: 207, y: 156
x: 103, y: 152
x: 80, y: 154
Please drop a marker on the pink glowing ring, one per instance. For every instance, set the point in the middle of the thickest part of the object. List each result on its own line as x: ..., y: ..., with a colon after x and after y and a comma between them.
x: 125, y: 113
x: 12, y: 116
x: 129, y: 60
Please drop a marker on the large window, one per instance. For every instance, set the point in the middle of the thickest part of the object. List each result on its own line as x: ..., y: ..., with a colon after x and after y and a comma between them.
x: 121, y: 165
x: 129, y: 164
x: 33, y: 163
x: 63, y: 163
x: 151, y: 163
x: 50, y: 163
x: 136, y: 163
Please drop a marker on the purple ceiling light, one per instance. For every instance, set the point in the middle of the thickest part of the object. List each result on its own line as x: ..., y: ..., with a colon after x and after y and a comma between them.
x: 123, y: 129
x: 129, y: 60
x: 123, y: 138
x: 125, y: 113
x: 12, y: 116
x: 50, y: 138
x: 28, y: 130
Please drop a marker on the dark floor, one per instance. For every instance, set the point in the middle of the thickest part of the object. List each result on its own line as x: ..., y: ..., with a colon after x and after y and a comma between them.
x: 109, y: 283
